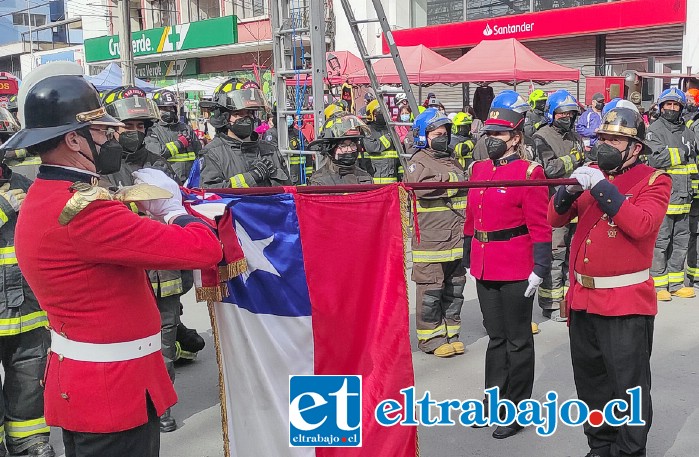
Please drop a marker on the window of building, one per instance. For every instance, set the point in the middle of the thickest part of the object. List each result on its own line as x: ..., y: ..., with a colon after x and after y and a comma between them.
x: 444, y: 11
x: 163, y: 13
x: 23, y: 19
x: 542, y: 5
x: 136, y: 13
x: 200, y: 10
x: 251, y: 8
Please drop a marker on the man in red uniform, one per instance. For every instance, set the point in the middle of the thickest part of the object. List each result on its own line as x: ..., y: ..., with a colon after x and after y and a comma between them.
x: 612, y: 301
x: 106, y: 383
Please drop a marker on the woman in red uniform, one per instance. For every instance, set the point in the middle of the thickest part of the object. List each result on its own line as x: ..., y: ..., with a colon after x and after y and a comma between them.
x: 507, y: 248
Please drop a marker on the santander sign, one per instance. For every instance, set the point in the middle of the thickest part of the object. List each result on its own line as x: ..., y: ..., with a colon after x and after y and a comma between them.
x: 508, y: 29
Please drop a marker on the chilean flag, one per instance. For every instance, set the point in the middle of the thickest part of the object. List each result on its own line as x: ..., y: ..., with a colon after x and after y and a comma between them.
x: 325, y: 293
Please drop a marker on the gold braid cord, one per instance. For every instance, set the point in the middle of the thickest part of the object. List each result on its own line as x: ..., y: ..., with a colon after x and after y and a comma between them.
x: 221, y: 384
x: 232, y: 270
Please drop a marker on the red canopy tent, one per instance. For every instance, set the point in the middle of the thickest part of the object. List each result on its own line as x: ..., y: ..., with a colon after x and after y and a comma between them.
x: 507, y: 61
x: 348, y: 64
x: 416, y: 60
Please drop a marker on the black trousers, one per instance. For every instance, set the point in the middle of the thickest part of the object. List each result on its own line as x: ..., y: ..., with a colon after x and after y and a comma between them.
x: 507, y: 315
x: 142, y: 441
x: 611, y: 355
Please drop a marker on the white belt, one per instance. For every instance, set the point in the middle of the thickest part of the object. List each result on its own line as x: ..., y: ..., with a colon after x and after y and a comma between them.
x: 106, y: 352
x: 610, y: 282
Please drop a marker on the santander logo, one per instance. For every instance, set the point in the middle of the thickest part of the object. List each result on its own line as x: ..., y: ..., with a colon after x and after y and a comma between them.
x: 508, y: 29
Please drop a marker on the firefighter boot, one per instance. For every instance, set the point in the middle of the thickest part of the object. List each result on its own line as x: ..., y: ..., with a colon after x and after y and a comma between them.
x: 41, y: 450
x: 188, y: 343
x: 684, y: 292
x: 445, y: 350
x: 664, y: 295
x: 167, y: 422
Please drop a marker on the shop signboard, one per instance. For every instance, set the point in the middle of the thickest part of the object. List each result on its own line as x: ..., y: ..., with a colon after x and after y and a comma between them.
x: 166, y: 69
x: 219, y: 31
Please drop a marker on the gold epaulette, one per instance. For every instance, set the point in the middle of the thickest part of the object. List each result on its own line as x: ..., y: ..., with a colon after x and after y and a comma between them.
x: 655, y: 176
x: 84, y: 194
x: 532, y: 166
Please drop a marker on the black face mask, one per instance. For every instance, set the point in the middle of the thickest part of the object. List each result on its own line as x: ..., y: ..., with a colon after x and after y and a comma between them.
x: 168, y: 117
x: 671, y: 116
x: 691, y: 108
x: 564, y: 124
x: 540, y: 105
x: 496, y: 147
x: 347, y: 159
x: 108, y: 158
x: 440, y: 144
x: 131, y: 141
x: 380, y: 119
x: 242, y: 128
x: 465, y: 130
x: 599, y: 105
x: 609, y: 158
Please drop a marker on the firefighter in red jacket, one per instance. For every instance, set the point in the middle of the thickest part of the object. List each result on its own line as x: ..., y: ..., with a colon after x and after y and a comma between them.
x: 507, y: 248
x: 106, y: 383
x: 611, y: 300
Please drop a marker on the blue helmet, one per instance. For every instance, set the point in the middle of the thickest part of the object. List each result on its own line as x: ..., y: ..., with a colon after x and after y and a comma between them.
x: 509, y: 99
x: 618, y: 103
x: 672, y: 94
x: 427, y: 121
x: 560, y: 101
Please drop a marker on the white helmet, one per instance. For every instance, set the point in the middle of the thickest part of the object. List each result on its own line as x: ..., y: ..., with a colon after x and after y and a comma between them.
x: 401, y: 98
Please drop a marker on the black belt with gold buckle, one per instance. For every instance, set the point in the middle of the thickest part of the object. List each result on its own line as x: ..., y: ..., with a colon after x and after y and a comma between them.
x: 501, y: 235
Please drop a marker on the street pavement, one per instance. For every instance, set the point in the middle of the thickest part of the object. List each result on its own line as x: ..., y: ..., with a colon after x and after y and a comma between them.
x: 675, y: 362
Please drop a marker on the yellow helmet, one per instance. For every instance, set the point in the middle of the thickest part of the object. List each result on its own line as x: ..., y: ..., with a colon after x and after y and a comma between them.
x: 335, y: 107
x: 536, y: 96
x: 371, y: 109
x: 461, y: 118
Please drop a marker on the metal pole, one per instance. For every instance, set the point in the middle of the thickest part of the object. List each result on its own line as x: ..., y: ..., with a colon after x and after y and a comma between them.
x: 318, y: 62
x: 126, y: 50
x: 31, y: 40
x: 409, y: 186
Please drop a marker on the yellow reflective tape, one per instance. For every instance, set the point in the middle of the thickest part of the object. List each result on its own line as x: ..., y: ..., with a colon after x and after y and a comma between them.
x: 183, y: 157
x: 8, y: 256
x: 172, y: 147
x: 388, y: 180
x: 554, y: 294
x: 385, y: 141
x: 456, y: 203
x: 382, y: 155
x: 674, y: 278
x: 133, y: 207
x: 22, y: 324
x: 693, y: 271
x: 446, y: 255
x: 168, y: 288
x: 453, y: 330
x: 238, y: 181
x: 681, y: 208
x: 401, y: 170
x: 24, y: 429
x: 678, y: 170
x: 567, y: 163
x: 3, y: 216
x: 692, y: 167
x: 297, y: 160
x: 429, y: 334
x: 661, y: 281
x: 675, y: 158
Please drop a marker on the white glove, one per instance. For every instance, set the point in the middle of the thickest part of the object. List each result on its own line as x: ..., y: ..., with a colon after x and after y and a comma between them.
x: 165, y: 209
x: 534, y: 282
x: 14, y: 197
x: 582, y: 178
x: 594, y: 176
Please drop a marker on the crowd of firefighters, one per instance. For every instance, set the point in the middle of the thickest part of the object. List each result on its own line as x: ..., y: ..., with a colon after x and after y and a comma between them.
x: 546, y: 137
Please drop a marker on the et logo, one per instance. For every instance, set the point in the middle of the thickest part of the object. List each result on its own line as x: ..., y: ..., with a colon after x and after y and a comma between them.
x: 325, y: 411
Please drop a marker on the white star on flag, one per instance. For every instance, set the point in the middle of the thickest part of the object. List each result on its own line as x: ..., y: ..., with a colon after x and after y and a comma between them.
x: 253, y: 250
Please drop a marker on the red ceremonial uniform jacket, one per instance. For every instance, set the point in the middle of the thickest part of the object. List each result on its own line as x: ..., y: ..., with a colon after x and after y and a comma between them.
x: 618, y: 223
x: 499, y: 208
x: 90, y: 278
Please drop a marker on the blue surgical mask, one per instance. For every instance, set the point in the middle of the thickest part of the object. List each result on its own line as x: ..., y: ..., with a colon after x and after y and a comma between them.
x: 405, y: 117
x: 289, y: 121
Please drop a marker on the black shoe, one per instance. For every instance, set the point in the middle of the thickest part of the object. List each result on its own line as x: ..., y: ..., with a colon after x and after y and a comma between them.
x: 503, y: 432
x: 41, y: 450
x: 167, y: 422
x: 189, y: 342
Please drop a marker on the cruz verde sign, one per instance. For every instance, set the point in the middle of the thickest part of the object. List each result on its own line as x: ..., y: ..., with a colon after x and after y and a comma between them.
x: 219, y: 31
x: 166, y: 69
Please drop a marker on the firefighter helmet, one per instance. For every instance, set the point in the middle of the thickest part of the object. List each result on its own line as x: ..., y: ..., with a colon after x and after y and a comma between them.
x: 130, y: 103
x: 425, y: 122
x: 624, y: 122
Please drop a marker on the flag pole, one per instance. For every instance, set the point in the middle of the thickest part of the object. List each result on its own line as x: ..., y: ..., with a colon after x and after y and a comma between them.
x: 410, y: 186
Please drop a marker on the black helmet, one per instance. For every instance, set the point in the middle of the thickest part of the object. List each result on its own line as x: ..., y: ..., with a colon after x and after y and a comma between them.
x: 624, y: 122
x: 165, y: 98
x: 233, y: 95
x: 128, y: 103
x: 341, y: 126
x: 54, y: 100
